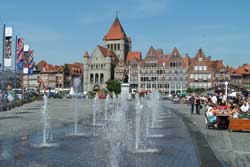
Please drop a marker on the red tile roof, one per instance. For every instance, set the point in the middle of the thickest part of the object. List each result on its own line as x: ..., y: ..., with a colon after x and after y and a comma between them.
x: 116, y: 31
x: 244, y: 69
x: 218, y: 64
x: 106, y: 52
x: 134, y: 55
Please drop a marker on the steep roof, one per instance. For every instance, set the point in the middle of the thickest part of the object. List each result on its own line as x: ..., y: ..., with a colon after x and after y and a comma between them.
x: 106, y: 52
x: 116, y: 31
x: 152, y: 52
x: 218, y: 64
x: 86, y: 54
x: 134, y: 55
x: 175, y: 54
x: 200, y: 53
x: 244, y: 69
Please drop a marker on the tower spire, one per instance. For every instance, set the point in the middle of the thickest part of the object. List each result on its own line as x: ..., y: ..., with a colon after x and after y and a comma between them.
x: 116, y: 13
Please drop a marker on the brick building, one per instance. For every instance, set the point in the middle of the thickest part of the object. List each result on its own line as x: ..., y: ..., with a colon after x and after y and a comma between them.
x: 241, y: 76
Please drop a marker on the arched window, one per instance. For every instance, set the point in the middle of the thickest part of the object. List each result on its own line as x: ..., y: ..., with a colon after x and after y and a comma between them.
x: 91, y: 78
x: 114, y: 46
x: 96, y: 78
x: 118, y: 46
x: 101, y: 78
x: 108, y: 46
x: 111, y: 46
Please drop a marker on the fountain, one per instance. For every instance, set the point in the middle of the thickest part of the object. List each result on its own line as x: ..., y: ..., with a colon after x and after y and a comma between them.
x: 96, y: 107
x: 46, y: 127
x: 73, y: 92
x: 106, y: 107
x: 116, y: 131
x: 139, y: 128
x: 153, y: 106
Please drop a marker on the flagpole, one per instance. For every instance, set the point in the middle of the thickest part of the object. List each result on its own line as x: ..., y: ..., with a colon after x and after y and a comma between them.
x: 15, y: 68
x: 2, y: 84
x: 3, y: 47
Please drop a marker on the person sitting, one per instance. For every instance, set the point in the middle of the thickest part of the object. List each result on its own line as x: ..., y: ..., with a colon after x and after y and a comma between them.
x: 223, y: 106
x: 234, y: 113
x: 245, y: 107
x: 211, y: 115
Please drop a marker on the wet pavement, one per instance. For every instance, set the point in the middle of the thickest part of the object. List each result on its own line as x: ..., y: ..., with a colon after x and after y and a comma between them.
x: 21, y: 131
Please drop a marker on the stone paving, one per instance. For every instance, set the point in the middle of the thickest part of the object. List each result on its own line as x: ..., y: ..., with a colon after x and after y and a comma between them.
x: 231, y: 148
x: 19, y: 127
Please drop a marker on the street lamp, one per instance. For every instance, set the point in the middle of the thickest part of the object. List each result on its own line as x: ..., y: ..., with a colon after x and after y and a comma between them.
x: 226, y: 84
x: 163, y: 78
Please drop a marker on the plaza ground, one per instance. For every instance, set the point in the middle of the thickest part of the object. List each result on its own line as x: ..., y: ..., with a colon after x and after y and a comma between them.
x: 187, y: 138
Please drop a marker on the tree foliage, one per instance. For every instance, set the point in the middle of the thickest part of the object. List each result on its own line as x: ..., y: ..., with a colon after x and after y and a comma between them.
x: 195, y: 90
x: 114, y: 86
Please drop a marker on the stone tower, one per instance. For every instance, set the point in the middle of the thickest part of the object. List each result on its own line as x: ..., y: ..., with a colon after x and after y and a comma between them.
x: 85, y: 71
x: 117, y: 40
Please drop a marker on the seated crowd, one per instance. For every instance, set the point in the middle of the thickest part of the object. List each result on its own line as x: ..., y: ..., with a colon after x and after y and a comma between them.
x: 234, y: 109
x: 218, y: 110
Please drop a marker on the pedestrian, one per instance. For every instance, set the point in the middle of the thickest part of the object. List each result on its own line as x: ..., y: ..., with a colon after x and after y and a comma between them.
x: 198, y: 104
x: 192, y: 101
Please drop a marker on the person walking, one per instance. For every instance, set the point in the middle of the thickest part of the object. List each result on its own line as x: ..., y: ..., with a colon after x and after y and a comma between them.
x: 197, y: 105
x: 192, y: 101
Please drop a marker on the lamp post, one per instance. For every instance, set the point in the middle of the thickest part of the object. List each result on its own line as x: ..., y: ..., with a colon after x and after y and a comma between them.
x: 163, y: 78
x: 226, y: 84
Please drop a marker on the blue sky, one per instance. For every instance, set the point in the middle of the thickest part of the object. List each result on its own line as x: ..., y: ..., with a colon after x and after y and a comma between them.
x: 60, y: 31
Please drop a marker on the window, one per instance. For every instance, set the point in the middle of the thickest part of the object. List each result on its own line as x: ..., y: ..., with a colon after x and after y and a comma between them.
x: 196, y: 76
x: 91, y: 78
x: 209, y: 76
x: 108, y: 46
x: 111, y: 46
x: 204, y: 77
x: 196, y: 68
x: 118, y: 46
x: 191, y: 76
x: 101, y: 78
x: 200, y: 59
x: 114, y: 46
x: 209, y: 84
x: 96, y: 78
x: 200, y: 76
x: 200, y: 68
x: 205, y: 68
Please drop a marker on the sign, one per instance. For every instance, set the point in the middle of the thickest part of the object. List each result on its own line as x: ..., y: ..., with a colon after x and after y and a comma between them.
x: 26, y: 48
x: 7, y: 62
x: 25, y: 70
x: 8, y: 32
x: 7, y: 47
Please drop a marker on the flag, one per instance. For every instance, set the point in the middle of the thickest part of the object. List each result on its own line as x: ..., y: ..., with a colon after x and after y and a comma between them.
x: 31, y: 62
x: 20, y: 53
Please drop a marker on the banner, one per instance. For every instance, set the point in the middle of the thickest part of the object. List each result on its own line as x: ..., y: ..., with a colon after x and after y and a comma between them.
x: 31, y: 62
x: 20, y: 54
x: 26, y: 57
x: 7, y: 47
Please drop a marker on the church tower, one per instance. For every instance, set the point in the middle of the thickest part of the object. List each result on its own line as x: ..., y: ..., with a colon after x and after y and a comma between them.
x: 117, y: 40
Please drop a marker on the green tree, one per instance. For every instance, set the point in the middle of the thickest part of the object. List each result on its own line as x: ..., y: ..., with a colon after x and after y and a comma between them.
x: 190, y: 90
x: 114, y: 86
